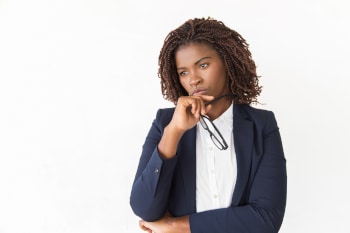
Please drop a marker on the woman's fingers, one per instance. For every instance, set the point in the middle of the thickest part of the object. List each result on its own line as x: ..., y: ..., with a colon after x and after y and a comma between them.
x: 206, y: 98
x: 143, y: 227
x: 188, y: 111
x: 201, y: 108
x: 196, y: 104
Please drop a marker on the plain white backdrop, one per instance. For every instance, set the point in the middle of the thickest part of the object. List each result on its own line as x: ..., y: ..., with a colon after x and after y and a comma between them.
x: 79, y: 90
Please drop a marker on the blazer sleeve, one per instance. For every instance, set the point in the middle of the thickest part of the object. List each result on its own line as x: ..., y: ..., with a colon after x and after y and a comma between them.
x: 266, y: 196
x: 152, y: 183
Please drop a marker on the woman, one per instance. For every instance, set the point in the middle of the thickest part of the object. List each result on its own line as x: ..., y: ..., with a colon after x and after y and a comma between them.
x: 213, y: 163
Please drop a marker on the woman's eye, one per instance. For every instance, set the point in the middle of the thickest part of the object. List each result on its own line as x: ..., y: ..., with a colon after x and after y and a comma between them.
x: 204, y: 65
x: 183, y: 73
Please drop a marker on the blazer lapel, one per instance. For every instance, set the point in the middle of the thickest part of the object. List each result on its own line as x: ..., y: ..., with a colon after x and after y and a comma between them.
x: 243, y: 133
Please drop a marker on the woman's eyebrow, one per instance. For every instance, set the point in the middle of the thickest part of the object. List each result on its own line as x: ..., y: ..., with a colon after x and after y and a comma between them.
x: 198, y: 61
x: 201, y: 59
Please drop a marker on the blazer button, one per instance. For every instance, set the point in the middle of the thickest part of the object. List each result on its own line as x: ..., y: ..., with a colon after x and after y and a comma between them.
x: 156, y: 171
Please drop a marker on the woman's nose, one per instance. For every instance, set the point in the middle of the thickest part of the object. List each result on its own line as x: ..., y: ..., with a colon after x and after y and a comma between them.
x: 195, y: 80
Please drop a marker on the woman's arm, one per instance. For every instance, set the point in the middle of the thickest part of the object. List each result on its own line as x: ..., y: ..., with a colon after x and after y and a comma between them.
x: 152, y: 184
x: 151, y: 187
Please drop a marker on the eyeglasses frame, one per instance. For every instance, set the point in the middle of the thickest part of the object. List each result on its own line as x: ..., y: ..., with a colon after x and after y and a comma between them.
x: 222, y: 143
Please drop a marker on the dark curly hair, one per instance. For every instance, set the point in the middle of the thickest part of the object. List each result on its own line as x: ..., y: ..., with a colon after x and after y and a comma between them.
x: 230, y: 45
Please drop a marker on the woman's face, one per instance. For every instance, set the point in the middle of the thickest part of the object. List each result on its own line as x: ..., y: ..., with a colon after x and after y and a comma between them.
x: 201, y: 70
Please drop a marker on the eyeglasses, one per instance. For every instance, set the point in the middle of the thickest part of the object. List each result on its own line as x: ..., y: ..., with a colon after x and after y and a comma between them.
x: 208, y: 125
x: 214, y: 133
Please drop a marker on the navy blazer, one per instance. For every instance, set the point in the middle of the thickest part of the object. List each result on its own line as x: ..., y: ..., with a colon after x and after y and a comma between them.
x: 259, y: 198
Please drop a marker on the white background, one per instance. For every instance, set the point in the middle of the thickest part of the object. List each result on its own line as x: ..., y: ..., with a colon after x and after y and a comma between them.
x: 79, y: 90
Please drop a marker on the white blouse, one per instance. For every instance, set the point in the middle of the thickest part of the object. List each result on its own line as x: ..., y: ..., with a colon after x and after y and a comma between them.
x: 216, y: 170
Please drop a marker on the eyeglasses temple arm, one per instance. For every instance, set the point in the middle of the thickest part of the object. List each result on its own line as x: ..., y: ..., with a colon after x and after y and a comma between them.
x: 218, y: 98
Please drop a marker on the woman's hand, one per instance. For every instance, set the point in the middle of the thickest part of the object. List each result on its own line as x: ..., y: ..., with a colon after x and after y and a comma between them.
x: 167, y: 224
x: 186, y: 116
x: 188, y: 111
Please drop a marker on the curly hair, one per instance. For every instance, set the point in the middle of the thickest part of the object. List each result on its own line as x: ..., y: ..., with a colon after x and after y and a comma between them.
x: 231, y: 47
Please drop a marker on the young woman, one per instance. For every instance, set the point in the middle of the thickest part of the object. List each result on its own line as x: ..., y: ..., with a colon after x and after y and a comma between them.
x: 213, y: 163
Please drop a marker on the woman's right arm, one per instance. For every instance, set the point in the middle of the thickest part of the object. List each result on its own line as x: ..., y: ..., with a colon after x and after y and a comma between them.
x: 152, y: 183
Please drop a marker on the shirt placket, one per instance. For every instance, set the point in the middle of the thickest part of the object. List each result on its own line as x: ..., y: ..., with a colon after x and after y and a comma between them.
x: 214, y: 196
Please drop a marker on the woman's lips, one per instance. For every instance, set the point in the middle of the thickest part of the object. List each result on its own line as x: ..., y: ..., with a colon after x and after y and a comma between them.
x: 199, y: 92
